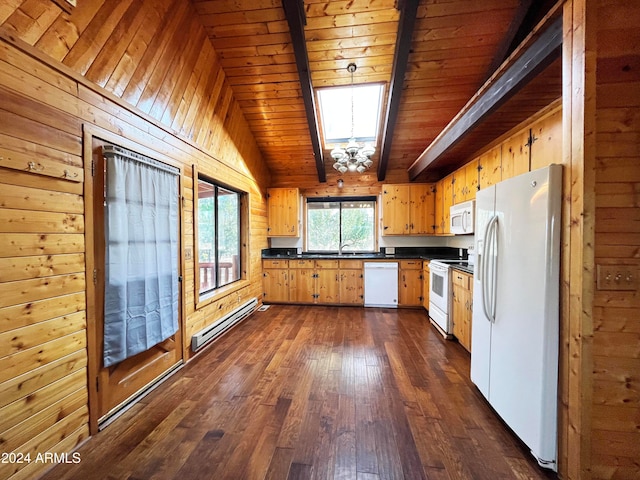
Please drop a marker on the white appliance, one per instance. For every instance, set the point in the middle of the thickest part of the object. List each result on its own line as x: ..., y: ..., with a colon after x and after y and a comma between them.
x: 381, y: 284
x: 515, y: 329
x: 461, y: 219
x: 439, y: 297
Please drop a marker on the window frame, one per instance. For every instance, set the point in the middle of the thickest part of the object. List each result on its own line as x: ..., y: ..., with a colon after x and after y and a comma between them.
x: 210, y: 295
x: 331, y: 142
x: 341, y: 200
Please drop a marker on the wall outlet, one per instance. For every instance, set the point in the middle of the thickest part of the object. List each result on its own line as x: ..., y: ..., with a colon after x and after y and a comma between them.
x: 617, y: 277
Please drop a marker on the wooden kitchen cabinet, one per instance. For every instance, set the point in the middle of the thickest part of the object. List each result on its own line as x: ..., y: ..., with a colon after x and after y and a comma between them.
x: 410, y: 283
x: 426, y: 286
x: 395, y: 209
x: 302, y: 283
x: 421, y: 209
x: 443, y: 199
x: 283, y: 207
x: 327, y: 282
x: 447, y: 201
x: 462, y: 307
x: 408, y: 209
x: 275, y: 281
x: 515, y: 155
x: 465, y: 182
x: 439, y: 208
x: 526, y: 150
x: 490, y: 167
x: 547, y: 144
x: 351, y: 282
x: 328, y: 286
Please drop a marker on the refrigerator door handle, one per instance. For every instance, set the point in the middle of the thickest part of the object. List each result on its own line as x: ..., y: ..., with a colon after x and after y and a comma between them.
x: 488, y: 289
x: 483, y: 270
x: 494, y: 268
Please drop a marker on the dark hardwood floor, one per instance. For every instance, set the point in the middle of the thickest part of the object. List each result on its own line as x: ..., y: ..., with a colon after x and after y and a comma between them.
x: 313, y: 393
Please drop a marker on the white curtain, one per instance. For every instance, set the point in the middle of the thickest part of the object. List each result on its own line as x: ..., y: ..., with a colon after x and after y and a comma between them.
x: 141, y: 278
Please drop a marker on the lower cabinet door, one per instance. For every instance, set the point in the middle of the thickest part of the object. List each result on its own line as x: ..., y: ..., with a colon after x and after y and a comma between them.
x: 328, y: 286
x: 410, y: 288
x: 276, y: 285
x: 302, y: 284
x: 351, y: 287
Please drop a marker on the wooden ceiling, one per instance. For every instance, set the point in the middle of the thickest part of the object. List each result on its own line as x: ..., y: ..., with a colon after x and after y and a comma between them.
x: 454, y: 48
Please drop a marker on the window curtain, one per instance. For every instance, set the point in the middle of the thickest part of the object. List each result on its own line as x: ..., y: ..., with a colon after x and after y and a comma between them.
x: 141, y: 274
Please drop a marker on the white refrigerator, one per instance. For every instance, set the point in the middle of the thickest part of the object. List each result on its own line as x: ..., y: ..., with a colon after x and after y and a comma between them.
x: 515, y: 328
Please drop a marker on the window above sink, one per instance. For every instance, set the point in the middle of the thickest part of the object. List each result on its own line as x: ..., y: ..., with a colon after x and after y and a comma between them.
x: 340, y: 225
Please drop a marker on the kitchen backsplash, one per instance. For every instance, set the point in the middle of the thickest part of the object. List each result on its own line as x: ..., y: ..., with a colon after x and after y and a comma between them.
x: 457, y: 241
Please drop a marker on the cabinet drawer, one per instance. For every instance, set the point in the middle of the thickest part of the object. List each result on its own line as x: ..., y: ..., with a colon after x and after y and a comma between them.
x: 275, y: 263
x: 327, y: 263
x: 301, y: 263
x: 351, y: 264
x: 410, y: 264
x: 461, y: 279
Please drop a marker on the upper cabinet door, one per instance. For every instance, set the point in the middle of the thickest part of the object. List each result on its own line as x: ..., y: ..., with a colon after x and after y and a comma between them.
x: 447, y: 202
x: 515, y: 155
x: 490, y: 167
x: 408, y: 209
x: 471, y: 180
x: 283, y: 206
x: 465, y: 182
x: 422, y: 209
x: 395, y: 209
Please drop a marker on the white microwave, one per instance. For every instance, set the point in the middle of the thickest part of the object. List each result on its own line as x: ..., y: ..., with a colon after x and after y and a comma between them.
x: 462, y: 218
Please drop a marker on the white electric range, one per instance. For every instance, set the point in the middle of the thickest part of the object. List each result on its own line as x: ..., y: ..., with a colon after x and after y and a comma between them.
x: 440, y: 293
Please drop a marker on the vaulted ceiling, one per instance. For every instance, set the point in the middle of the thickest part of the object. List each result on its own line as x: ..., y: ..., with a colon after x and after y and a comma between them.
x: 450, y: 49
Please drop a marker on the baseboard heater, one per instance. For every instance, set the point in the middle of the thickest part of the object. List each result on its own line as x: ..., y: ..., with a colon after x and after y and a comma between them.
x: 212, y: 332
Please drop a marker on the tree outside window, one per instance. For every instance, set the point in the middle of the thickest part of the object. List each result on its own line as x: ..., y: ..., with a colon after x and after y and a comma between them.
x: 349, y: 223
x: 218, y: 235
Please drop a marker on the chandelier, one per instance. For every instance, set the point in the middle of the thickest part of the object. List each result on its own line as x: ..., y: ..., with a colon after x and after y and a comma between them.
x: 352, y: 158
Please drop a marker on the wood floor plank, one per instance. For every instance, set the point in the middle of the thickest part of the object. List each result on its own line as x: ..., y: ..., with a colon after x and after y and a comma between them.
x: 314, y: 393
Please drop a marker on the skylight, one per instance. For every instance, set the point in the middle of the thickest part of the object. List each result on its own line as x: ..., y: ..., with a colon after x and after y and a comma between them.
x: 335, y: 112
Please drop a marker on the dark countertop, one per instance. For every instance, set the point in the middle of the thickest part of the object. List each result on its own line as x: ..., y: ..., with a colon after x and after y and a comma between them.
x: 463, y: 269
x: 403, y: 254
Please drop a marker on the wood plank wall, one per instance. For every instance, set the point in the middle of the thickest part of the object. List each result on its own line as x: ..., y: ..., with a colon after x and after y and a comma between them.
x: 143, y: 71
x: 615, y: 415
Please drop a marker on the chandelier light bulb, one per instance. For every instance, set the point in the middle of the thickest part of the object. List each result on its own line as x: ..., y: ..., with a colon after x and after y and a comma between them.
x: 337, y: 153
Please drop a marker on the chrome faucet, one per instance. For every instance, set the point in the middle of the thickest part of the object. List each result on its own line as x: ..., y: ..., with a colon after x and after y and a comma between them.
x: 346, y: 243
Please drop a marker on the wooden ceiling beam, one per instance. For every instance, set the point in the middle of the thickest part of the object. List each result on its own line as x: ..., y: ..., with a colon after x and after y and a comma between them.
x: 504, y: 85
x: 400, y: 59
x: 502, y: 51
x: 294, y: 12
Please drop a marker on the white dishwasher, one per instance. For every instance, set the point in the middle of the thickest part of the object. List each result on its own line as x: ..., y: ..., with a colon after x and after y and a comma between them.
x: 381, y: 284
